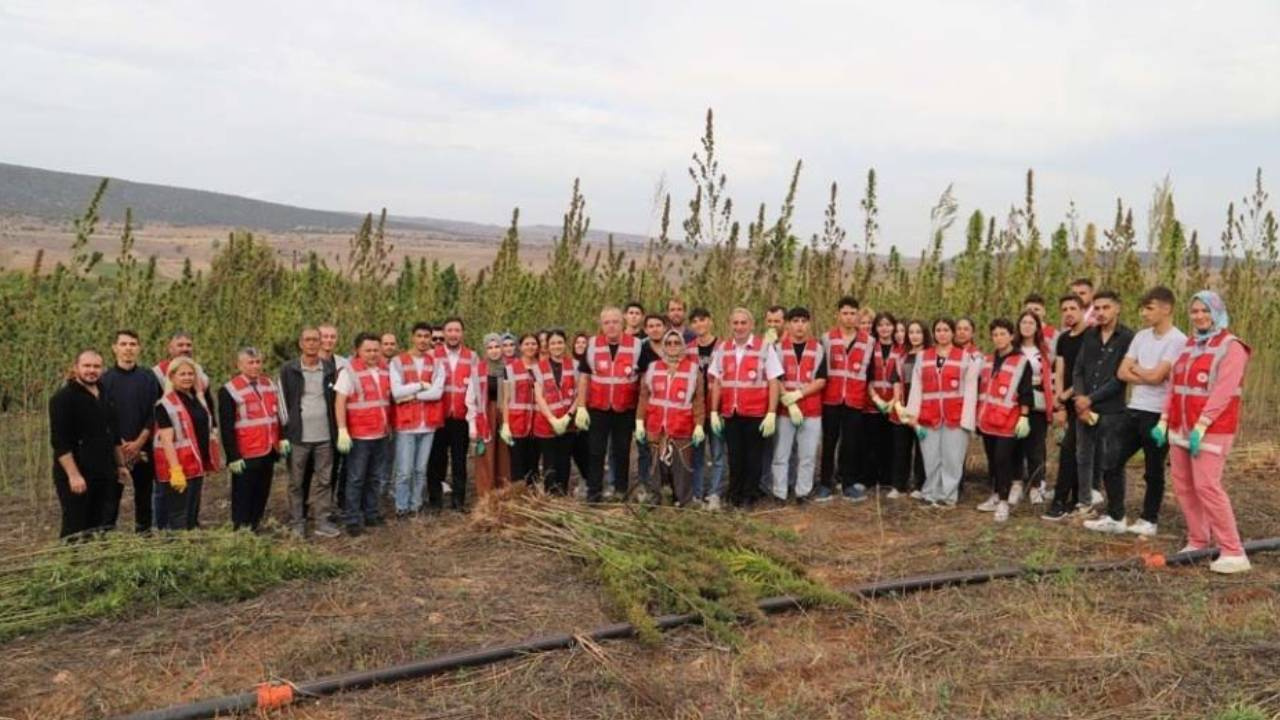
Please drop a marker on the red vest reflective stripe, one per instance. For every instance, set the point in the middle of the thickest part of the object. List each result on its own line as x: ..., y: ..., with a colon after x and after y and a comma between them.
x: 846, y: 369
x: 559, y: 397
x: 417, y: 414
x: 184, y: 442
x: 456, y: 381
x: 1194, y: 375
x: 257, y: 416
x: 998, y: 408
x: 161, y: 371
x: 670, y: 408
x: 521, y: 406
x: 795, y: 375
x: 882, y: 373
x: 484, y: 430
x: 941, y: 391
x: 744, y: 389
x: 613, y: 384
x: 367, y: 407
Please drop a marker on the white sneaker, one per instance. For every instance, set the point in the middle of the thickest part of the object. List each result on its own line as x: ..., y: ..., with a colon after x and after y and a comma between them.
x: 917, y: 495
x: 446, y: 488
x: 1189, y: 548
x: 989, y: 505
x: 1230, y: 564
x: 1106, y: 524
x: 1015, y: 493
x: 1142, y: 527
x: 607, y: 493
x: 1002, y: 512
x: 1037, y: 496
x: 894, y: 494
x: 713, y: 502
x: 1097, y: 498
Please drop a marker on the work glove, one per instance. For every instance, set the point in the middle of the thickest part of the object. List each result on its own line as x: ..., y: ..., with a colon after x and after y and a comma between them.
x: 1160, y: 433
x: 582, y: 419
x: 882, y: 405
x: 640, y: 434
x: 344, y: 441
x: 177, y: 479
x: 770, y: 336
x: 717, y: 423
x: 236, y: 467
x: 791, y: 397
x: 903, y: 415
x: 699, y: 436
x: 1023, y: 428
x: 922, y: 432
x: 480, y: 448
x: 797, y: 417
x: 769, y: 425
x: 561, y: 425
x: 1194, y: 441
x: 1091, y: 419
x: 284, y: 447
x: 505, y: 434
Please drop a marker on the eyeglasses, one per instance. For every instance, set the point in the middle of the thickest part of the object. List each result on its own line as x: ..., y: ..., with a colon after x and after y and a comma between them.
x: 437, y: 338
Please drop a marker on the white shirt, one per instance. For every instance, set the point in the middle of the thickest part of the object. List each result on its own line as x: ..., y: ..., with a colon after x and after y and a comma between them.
x: 772, y: 366
x: 1148, y: 350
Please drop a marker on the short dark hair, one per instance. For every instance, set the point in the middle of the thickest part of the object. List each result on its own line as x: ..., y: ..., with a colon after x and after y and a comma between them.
x: 799, y: 311
x: 1035, y: 298
x: 421, y: 326
x: 847, y: 301
x: 1082, y: 281
x: 1069, y: 298
x: 776, y: 309
x: 1159, y: 294
x: 884, y: 315
x: 654, y: 316
x: 1001, y: 323
x: 127, y: 333
x: 1107, y: 295
x: 633, y: 304
x: 365, y: 337
x: 699, y: 312
x: 453, y: 319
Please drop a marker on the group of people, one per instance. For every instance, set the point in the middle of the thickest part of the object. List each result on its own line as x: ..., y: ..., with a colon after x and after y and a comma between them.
x: 874, y: 403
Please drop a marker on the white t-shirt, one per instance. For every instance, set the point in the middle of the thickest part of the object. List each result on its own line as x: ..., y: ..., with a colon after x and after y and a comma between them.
x: 1149, y: 350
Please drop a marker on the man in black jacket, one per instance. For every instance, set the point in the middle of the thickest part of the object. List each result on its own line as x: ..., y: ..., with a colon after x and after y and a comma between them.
x: 132, y: 391
x: 307, y: 385
x: 1099, y: 394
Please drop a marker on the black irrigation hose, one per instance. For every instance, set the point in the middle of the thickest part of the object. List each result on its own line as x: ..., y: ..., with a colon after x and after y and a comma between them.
x: 268, y: 696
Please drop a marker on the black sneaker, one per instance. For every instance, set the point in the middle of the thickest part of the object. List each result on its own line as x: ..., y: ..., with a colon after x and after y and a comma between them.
x: 1055, y: 514
x: 355, y: 530
x: 375, y: 521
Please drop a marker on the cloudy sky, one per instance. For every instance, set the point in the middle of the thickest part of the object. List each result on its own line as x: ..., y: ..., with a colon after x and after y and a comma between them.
x: 464, y: 110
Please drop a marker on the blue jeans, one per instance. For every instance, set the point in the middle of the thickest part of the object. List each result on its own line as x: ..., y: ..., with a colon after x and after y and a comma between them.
x: 644, y: 465
x: 412, y: 451
x: 363, y: 463
x: 385, y: 484
x: 713, y: 446
x: 177, y: 510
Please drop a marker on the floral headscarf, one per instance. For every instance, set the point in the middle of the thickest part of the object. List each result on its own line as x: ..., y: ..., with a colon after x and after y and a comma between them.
x: 1217, y: 308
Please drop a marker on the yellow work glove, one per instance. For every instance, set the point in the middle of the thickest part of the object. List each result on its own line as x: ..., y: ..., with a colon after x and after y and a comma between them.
x: 1023, y: 428
x: 699, y: 436
x: 505, y: 434
x: 717, y: 423
x: 791, y: 397
x: 344, y: 441
x: 177, y: 479
x: 582, y: 419
x: 236, y: 467
x: 769, y: 425
x: 770, y: 336
x: 561, y: 425
x: 797, y: 417
x: 640, y: 434
x: 1091, y: 419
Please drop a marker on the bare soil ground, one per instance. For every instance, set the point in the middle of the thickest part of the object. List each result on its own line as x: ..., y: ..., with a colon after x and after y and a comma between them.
x: 1169, y: 643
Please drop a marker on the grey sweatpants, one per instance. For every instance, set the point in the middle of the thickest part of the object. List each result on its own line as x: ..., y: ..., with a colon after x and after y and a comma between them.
x: 805, y: 439
x: 943, y: 450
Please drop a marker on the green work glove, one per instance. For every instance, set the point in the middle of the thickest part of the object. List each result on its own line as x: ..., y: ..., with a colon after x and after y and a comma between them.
x: 797, y: 417
x: 1023, y: 428
x: 922, y: 432
x: 284, y: 447
x: 770, y: 425
x: 582, y: 419
x: 505, y: 434
x: 770, y: 336
x: 699, y: 436
x: 640, y: 434
x: 791, y: 397
x: 1194, y: 440
x: 236, y: 467
x: 344, y: 441
x: 1160, y: 433
x: 883, y: 406
x: 480, y: 448
x: 717, y: 423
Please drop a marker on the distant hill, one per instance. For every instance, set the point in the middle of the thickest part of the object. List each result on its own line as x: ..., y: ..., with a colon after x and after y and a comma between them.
x: 59, y: 196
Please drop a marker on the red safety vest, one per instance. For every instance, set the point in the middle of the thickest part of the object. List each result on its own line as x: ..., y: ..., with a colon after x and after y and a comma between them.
x: 795, y: 375
x: 417, y: 414
x: 613, y: 384
x: 998, y: 409
x: 184, y: 442
x: 257, y: 416
x: 456, y: 381
x: 847, y: 359
x: 1043, y: 372
x: 882, y: 373
x: 1049, y: 332
x: 744, y: 389
x: 521, y: 406
x: 559, y: 397
x: 484, y: 431
x: 367, y: 407
x: 941, y: 391
x: 161, y: 371
x: 670, y: 408
x: 1194, y: 375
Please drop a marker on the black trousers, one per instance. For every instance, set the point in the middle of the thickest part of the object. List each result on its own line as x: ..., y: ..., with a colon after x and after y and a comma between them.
x: 1066, y: 491
x: 581, y: 452
x: 742, y: 441
x: 1029, y: 455
x: 908, y: 463
x: 524, y: 459
x: 86, y: 511
x: 841, y: 428
x: 337, y: 483
x: 450, y: 446
x: 143, y: 475
x: 1132, y: 435
x: 610, y: 431
x: 250, y: 491
x: 555, y: 453
x: 1000, y: 456
x: 876, y: 461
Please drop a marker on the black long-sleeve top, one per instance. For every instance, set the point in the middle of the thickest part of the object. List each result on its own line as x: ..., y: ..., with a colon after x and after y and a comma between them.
x: 227, y: 426
x: 1096, y: 365
x: 133, y: 392
x: 83, y: 425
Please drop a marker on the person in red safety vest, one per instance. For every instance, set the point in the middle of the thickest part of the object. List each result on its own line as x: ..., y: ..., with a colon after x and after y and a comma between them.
x: 1005, y: 400
x: 1030, y: 475
x: 876, y: 467
x: 417, y: 386
x: 670, y: 414
x: 185, y: 447
x: 465, y: 418
x: 744, y: 375
x: 804, y: 375
x: 362, y: 407
x: 555, y: 393
x: 251, y: 413
x: 941, y: 408
x: 609, y: 382
x: 520, y: 409
x: 847, y: 350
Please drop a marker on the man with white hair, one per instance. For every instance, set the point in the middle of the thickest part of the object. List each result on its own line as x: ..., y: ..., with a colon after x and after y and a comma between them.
x: 251, y: 414
x: 744, y: 374
x: 610, y: 381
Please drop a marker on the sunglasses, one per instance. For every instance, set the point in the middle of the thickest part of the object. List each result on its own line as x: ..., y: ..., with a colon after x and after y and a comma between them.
x: 437, y: 338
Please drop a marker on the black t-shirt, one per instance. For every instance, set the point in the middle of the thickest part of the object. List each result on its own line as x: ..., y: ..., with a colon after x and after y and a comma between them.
x: 648, y: 356
x: 199, y: 419
x: 819, y: 372
x: 1069, y: 349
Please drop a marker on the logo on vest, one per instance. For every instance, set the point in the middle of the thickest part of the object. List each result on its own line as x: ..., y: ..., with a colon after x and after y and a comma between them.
x: 679, y: 394
x: 955, y: 383
x: 630, y: 370
x: 1202, y: 377
x: 603, y: 365
x: 1003, y: 389
x: 751, y: 374
x: 857, y: 366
